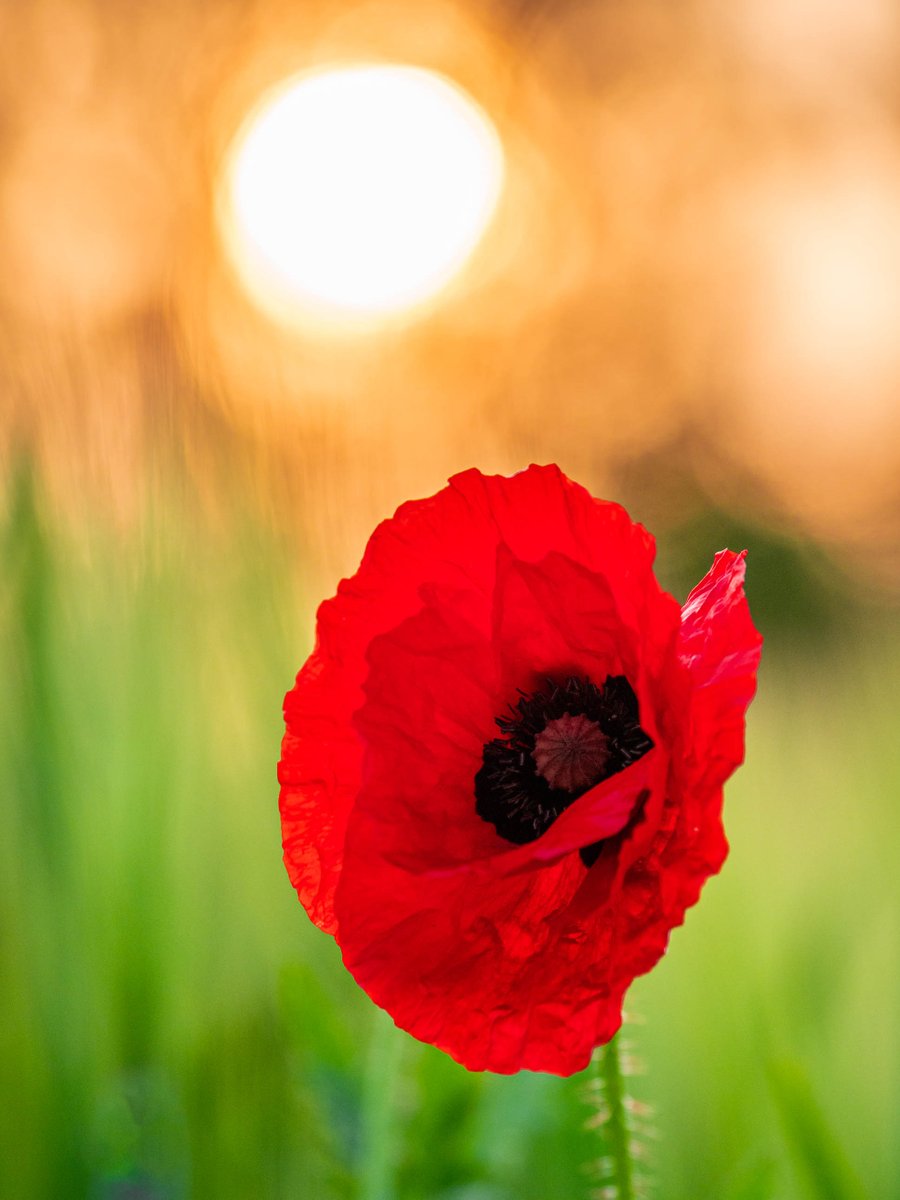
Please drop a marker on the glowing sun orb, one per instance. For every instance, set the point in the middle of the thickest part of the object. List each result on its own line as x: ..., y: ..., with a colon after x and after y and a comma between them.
x: 356, y: 193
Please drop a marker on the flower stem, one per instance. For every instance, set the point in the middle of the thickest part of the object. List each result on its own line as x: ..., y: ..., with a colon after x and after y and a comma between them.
x: 615, y: 1127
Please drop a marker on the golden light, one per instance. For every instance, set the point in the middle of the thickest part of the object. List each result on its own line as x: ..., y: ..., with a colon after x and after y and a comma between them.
x: 355, y: 193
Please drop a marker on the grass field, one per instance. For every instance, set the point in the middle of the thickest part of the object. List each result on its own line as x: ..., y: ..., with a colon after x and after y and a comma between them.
x: 173, y: 1025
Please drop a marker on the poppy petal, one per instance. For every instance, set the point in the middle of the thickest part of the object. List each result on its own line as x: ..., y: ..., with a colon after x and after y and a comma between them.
x: 720, y: 648
x: 496, y: 606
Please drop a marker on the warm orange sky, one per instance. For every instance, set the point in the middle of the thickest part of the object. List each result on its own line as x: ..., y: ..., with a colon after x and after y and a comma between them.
x: 697, y: 249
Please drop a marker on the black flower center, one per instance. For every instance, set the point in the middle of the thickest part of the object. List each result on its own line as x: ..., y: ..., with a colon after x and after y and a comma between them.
x: 558, y: 743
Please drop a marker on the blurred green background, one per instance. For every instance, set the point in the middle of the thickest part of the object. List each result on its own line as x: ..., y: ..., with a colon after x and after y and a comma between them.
x: 700, y: 321
x: 173, y: 1025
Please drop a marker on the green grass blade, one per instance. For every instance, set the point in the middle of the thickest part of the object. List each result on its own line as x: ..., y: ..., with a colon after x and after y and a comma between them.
x: 817, y: 1151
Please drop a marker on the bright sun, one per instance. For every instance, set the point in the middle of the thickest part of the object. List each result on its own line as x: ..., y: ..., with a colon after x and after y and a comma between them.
x: 357, y: 192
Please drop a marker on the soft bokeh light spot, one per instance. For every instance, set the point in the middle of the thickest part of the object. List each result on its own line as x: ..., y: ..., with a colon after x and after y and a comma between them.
x: 358, y: 192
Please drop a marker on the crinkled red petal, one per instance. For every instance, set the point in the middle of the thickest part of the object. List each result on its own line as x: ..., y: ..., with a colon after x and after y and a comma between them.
x: 448, y: 540
x: 712, y: 681
x: 436, y: 913
x: 508, y: 956
x: 719, y: 648
x: 718, y: 655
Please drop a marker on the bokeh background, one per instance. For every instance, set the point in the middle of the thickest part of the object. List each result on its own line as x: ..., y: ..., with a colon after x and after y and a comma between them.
x: 690, y: 299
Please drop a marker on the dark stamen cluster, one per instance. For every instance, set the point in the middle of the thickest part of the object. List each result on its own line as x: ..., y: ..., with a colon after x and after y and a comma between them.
x: 510, y: 791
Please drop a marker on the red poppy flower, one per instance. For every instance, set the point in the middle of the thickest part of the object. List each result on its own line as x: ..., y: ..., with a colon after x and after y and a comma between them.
x: 503, y: 766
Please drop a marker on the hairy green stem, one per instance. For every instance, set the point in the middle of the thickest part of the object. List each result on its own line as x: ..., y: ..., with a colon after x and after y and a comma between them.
x: 615, y: 1128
